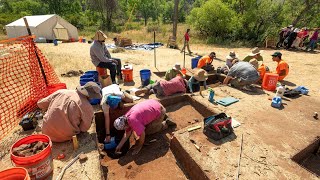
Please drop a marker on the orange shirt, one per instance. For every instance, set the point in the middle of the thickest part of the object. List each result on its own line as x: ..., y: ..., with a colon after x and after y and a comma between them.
x: 203, y: 61
x: 282, y: 65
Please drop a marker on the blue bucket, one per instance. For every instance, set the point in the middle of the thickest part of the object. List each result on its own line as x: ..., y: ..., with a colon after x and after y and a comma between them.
x: 55, y: 42
x: 194, y: 62
x: 95, y: 101
x: 93, y: 74
x: 145, y: 77
x: 83, y: 81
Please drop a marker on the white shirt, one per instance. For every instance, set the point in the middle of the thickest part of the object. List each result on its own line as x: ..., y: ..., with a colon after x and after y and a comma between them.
x: 113, y: 89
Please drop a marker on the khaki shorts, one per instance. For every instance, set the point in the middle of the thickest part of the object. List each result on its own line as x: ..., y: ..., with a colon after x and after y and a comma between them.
x: 156, y: 125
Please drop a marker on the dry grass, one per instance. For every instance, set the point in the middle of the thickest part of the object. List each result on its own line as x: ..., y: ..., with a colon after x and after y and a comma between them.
x: 146, y: 34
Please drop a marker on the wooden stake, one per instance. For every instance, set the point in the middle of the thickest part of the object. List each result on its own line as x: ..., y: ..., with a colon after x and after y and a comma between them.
x: 75, y: 142
x: 238, y: 172
x: 194, y: 128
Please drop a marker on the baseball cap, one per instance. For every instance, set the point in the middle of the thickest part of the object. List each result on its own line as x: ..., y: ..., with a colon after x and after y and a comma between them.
x: 276, y: 54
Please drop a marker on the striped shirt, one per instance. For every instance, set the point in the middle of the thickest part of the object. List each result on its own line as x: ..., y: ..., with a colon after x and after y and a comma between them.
x: 244, y: 71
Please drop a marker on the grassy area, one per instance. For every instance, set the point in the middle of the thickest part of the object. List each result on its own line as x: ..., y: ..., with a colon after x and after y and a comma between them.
x: 144, y: 34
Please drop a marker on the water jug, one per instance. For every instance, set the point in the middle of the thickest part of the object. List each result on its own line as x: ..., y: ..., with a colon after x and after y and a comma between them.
x: 211, y: 95
x: 280, y: 91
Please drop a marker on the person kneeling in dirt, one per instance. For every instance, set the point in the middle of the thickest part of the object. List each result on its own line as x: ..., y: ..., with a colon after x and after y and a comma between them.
x: 144, y: 118
x: 231, y: 59
x: 112, y: 97
x: 282, y: 68
x: 243, y: 74
x: 165, y: 88
x: 173, y: 72
x: 69, y: 112
x: 200, y: 75
x: 206, y: 62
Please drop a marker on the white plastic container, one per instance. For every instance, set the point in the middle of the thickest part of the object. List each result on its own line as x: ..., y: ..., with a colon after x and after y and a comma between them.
x: 280, y: 91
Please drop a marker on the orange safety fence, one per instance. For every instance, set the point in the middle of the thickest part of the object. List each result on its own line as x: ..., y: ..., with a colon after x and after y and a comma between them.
x: 22, y: 83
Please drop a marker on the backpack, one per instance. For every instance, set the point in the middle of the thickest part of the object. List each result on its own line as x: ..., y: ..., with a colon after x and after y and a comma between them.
x: 217, y: 126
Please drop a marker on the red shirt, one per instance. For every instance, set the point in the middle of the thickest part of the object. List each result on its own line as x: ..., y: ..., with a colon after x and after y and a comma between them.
x: 186, y: 36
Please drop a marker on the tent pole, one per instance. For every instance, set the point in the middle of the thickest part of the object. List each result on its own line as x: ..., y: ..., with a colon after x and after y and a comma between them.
x: 35, y: 51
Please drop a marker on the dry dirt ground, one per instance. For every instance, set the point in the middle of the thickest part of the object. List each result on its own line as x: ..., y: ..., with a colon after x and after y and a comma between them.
x: 271, y: 136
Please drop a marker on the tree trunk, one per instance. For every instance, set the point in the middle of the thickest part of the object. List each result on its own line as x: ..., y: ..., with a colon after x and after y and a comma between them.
x: 175, y: 18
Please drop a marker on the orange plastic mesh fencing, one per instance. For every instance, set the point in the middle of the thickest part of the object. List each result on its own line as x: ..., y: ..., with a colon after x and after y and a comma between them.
x: 22, y: 83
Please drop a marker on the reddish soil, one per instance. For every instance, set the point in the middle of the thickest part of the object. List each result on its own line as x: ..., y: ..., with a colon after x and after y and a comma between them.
x: 183, y: 114
x: 155, y: 161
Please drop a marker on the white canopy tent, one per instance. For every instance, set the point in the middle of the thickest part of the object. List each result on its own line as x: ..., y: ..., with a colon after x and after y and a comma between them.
x: 49, y: 27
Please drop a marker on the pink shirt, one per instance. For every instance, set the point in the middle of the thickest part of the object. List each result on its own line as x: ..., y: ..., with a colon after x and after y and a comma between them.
x: 68, y: 113
x: 142, y: 114
x: 173, y: 86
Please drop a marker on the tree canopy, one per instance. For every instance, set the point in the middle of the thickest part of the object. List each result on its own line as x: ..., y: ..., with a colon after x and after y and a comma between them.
x: 244, y: 20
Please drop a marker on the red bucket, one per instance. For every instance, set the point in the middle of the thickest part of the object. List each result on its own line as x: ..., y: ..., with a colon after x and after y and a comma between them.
x: 16, y: 173
x: 55, y: 87
x: 270, y: 81
x: 40, y: 165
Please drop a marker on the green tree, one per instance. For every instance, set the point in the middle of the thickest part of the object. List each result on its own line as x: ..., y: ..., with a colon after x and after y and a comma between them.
x: 213, y: 18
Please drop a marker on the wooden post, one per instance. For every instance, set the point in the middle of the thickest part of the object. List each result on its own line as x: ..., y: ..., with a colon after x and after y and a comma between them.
x: 154, y: 48
x: 175, y: 18
x: 35, y: 51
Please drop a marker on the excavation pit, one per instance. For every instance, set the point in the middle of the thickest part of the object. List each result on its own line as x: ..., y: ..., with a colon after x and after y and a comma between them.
x: 309, y: 157
x: 157, y: 159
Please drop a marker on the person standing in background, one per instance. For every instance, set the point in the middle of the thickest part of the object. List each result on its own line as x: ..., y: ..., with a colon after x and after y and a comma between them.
x: 186, y: 42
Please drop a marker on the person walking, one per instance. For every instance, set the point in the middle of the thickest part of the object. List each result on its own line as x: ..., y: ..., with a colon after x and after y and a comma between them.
x: 186, y: 42
x: 313, y: 40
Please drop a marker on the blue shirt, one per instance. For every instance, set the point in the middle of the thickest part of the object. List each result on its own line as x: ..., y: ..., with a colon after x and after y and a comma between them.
x: 193, y: 81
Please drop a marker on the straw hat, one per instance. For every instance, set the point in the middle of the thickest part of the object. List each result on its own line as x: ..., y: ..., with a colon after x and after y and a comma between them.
x: 100, y: 36
x: 90, y: 89
x: 255, y: 51
x: 232, y: 55
x: 200, y: 75
x: 177, y: 66
x: 254, y: 63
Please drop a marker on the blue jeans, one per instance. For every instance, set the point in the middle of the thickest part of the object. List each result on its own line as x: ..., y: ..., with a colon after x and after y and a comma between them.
x: 112, y: 68
x: 311, y: 44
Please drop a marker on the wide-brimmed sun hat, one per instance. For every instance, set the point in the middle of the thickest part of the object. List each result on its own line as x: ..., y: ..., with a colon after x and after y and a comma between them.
x: 254, y: 63
x: 91, y: 90
x: 100, y: 36
x: 120, y: 123
x: 177, y: 66
x: 200, y: 75
x: 232, y: 55
x: 255, y: 51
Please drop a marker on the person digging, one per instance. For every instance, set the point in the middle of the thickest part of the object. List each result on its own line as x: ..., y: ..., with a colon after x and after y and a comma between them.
x: 165, y: 88
x: 200, y: 75
x: 145, y: 118
x: 69, y: 112
x: 112, y: 97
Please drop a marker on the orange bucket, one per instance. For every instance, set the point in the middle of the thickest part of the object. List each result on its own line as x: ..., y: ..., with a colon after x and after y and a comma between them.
x: 127, y: 75
x: 270, y: 81
x: 102, y: 71
x: 16, y: 173
x: 39, y: 165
